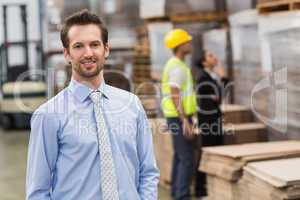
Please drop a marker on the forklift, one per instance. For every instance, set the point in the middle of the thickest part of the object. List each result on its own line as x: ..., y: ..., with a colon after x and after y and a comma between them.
x: 22, y: 76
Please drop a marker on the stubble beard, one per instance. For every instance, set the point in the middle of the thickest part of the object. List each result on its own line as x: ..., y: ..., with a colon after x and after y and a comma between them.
x: 88, y: 74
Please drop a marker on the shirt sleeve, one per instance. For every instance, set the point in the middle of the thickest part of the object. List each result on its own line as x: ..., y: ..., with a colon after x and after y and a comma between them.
x: 177, y: 77
x: 42, y: 155
x: 149, y: 173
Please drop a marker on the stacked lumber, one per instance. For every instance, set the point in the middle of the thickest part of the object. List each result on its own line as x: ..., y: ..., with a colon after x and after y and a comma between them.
x: 224, y: 164
x: 208, y: 16
x: 142, y: 62
x: 245, y: 133
x: 141, y: 76
x: 272, y: 180
x: 278, y: 6
x: 162, y: 141
x: 235, y: 114
x: 239, y: 125
x: 266, y: 1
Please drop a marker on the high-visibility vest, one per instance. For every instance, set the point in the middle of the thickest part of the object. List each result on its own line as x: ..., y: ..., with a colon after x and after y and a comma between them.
x: 188, y: 96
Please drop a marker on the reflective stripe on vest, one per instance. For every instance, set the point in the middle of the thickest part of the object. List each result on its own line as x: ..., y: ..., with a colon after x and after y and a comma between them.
x: 187, y: 92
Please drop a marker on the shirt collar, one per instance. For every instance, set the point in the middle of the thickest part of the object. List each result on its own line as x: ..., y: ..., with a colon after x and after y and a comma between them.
x: 81, y: 91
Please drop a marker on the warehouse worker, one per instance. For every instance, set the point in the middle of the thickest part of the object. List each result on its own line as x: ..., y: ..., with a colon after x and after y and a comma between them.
x: 91, y: 141
x: 178, y: 105
x: 210, y: 87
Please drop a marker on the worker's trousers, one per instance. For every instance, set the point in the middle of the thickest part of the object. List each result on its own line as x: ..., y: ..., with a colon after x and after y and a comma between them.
x: 183, y: 165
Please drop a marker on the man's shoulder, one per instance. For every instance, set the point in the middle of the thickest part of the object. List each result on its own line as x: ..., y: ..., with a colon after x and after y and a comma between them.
x: 117, y: 92
x: 123, y: 97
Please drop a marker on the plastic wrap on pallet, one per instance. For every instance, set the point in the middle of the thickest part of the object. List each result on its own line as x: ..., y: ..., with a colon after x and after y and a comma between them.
x: 159, y: 54
x: 279, y: 34
x: 285, y: 55
x: 149, y: 9
x: 121, y: 18
x: 247, y: 62
x: 234, y: 6
x: 179, y: 6
x: 244, y: 36
x: 215, y: 41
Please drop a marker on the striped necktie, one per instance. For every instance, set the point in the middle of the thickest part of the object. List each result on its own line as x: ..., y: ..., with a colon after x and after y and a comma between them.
x: 107, y: 169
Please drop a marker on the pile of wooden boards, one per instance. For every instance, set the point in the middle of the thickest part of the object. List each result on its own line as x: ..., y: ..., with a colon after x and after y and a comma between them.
x: 272, y: 180
x: 144, y: 87
x: 142, y: 62
x: 224, y: 165
x: 240, y: 127
x: 162, y: 138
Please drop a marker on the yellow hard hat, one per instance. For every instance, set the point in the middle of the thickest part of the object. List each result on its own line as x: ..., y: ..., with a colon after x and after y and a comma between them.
x: 176, y: 37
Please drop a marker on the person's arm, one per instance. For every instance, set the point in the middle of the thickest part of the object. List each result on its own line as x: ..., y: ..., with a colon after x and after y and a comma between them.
x: 149, y: 173
x: 42, y: 155
x: 176, y: 98
x: 176, y: 79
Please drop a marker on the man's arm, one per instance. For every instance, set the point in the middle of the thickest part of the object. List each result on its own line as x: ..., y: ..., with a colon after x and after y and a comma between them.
x: 149, y: 173
x: 176, y: 78
x: 177, y: 100
x: 42, y: 155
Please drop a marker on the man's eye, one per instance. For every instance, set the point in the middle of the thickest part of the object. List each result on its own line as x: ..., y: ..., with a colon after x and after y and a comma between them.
x: 77, y: 46
x: 95, y: 45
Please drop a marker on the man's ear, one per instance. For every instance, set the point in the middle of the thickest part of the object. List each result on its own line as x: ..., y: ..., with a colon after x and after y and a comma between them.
x: 106, y: 54
x: 67, y: 55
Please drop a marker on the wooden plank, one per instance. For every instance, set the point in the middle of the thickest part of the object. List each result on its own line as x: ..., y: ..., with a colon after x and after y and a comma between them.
x: 265, y: 1
x: 245, y: 133
x: 234, y: 114
x: 279, y: 173
x: 263, y: 148
x: 199, y: 17
x: 233, y: 108
x: 278, y: 6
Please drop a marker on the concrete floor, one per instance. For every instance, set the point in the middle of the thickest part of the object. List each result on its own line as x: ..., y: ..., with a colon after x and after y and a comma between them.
x: 13, y: 155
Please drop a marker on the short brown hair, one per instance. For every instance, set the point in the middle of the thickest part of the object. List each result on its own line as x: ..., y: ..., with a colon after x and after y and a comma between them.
x: 83, y: 17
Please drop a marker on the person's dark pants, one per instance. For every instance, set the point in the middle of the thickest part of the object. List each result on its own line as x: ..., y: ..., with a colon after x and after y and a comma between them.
x: 183, y: 161
x: 211, y: 135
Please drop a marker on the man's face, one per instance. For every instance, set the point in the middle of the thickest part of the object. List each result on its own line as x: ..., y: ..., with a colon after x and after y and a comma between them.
x: 86, y: 51
x: 187, y: 48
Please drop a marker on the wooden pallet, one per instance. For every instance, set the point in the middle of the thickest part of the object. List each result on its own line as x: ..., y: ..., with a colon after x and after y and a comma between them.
x: 265, y: 1
x: 278, y: 6
x: 199, y: 17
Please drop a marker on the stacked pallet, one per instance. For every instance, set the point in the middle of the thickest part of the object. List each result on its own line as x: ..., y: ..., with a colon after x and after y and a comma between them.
x: 266, y: 1
x: 245, y: 133
x: 142, y: 62
x: 233, y: 113
x: 240, y: 127
x: 141, y: 76
x: 272, y: 180
x: 267, y: 7
x: 224, y: 164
